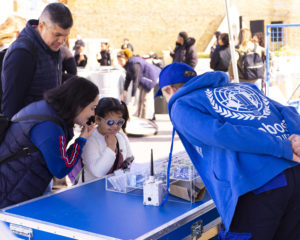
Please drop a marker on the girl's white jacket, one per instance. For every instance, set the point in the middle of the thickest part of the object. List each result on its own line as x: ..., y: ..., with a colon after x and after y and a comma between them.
x: 98, y: 158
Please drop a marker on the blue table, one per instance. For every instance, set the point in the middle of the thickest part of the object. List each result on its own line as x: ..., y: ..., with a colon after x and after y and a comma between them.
x: 89, y: 211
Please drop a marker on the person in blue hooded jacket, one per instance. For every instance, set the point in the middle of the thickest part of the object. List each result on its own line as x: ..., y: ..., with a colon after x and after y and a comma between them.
x: 240, y: 143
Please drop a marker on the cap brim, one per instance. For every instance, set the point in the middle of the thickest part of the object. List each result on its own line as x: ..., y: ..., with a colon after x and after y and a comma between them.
x: 158, y: 93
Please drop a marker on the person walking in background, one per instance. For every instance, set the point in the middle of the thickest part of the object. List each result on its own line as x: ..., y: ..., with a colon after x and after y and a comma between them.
x: 185, y: 50
x: 108, y: 148
x: 220, y: 58
x: 80, y: 58
x: 245, y: 147
x: 127, y: 44
x: 143, y: 76
x: 249, y: 58
x: 33, y: 62
x: 69, y: 68
x: 104, y: 58
x: 28, y: 176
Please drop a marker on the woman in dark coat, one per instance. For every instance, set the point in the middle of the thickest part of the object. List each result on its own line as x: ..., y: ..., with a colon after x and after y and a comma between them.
x: 221, y: 57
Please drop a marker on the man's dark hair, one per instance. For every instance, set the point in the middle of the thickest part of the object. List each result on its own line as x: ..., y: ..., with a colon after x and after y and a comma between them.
x: 69, y: 99
x: 224, y: 38
x: 217, y: 34
x: 59, y: 14
x: 109, y: 104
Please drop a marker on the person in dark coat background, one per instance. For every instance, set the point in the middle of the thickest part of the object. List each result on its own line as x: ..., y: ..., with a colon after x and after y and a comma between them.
x: 69, y: 68
x: 221, y: 57
x: 104, y: 58
x: 185, y: 50
x: 80, y: 57
x: 127, y: 44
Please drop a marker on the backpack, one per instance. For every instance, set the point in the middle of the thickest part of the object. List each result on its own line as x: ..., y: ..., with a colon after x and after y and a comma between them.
x: 3, y: 52
x: 252, y: 66
x: 5, y: 123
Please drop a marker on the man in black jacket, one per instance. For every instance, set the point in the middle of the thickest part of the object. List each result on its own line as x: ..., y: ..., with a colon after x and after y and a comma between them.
x: 185, y: 50
x: 33, y: 63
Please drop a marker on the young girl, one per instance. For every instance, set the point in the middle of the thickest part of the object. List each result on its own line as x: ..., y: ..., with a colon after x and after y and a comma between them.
x: 108, y: 148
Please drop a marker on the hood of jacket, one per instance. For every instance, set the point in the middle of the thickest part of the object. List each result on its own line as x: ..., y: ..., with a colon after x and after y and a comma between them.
x: 206, y: 80
x: 190, y: 42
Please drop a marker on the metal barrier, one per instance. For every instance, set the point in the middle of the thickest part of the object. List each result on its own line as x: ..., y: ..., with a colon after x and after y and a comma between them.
x: 283, y: 60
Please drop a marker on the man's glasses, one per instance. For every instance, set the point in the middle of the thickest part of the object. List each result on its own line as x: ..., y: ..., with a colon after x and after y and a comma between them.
x: 111, y: 122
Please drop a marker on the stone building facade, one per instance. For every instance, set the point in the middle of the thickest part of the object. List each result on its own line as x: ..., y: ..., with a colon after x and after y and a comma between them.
x: 153, y: 25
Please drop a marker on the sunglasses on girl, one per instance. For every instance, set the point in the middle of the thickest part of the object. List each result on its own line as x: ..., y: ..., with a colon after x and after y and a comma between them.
x: 111, y: 122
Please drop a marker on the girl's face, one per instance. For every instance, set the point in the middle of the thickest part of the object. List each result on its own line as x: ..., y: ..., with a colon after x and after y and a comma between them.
x: 86, y: 113
x: 110, y: 124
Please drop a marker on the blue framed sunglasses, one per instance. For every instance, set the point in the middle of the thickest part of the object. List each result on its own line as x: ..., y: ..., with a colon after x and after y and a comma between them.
x: 111, y: 122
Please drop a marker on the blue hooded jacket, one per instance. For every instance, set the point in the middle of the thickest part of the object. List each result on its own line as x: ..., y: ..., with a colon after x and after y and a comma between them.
x: 236, y: 137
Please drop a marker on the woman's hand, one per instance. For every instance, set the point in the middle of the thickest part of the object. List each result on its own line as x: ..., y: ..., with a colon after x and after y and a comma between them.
x: 87, y: 131
x: 111, y: 141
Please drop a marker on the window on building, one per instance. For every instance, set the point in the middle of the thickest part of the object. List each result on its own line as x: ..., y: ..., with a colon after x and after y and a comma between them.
x: 276, y: 32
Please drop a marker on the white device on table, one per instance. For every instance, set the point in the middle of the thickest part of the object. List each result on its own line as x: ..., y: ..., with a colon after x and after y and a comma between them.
x: 153, y: 191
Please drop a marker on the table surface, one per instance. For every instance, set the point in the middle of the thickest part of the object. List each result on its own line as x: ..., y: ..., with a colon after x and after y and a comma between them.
x: 91, y: 208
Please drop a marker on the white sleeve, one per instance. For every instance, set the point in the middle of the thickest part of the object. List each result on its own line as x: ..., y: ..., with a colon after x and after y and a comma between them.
x: 97, y: 162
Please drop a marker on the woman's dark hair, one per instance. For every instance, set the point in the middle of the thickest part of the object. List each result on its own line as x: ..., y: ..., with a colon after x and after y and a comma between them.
x: 109, y: 104
x: 261, y: 38
x: 224, y: 38
x: 69, y: 99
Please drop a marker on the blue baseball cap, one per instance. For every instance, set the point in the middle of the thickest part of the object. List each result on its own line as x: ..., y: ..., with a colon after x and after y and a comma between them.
x: 174, y: 73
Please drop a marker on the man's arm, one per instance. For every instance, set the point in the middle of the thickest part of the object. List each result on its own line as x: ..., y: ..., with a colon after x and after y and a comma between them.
x: 50, y: 140
x: 17, y: 74
x: 201, y: 128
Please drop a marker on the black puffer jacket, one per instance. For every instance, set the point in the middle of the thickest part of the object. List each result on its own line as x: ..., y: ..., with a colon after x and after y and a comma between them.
x: 186, y: 53
x: 220, y: 59
x: 191, y: 55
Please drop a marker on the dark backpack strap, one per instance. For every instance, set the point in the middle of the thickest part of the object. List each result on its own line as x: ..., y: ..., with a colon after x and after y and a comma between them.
x: 117, y: 157
x: 26, y: 151
x: 82, y: 171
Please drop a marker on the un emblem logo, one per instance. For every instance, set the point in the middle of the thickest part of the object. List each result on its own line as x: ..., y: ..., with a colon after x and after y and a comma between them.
x: 240, y: 102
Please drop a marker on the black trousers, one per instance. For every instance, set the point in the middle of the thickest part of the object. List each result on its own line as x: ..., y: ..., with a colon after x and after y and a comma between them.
x: 270, y: 215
